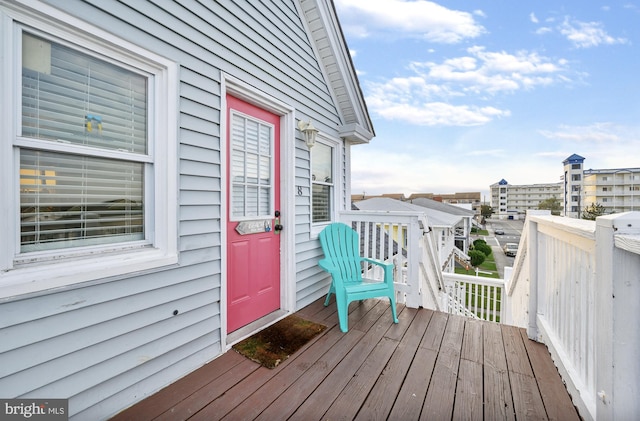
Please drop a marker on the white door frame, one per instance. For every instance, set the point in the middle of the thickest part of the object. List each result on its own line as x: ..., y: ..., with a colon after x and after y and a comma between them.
x: 239, y: 89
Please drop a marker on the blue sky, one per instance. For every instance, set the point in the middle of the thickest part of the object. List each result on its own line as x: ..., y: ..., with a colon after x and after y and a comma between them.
x: 465, y: 93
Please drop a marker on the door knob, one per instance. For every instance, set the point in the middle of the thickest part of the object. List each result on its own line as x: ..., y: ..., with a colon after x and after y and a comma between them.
x: 277, y: 227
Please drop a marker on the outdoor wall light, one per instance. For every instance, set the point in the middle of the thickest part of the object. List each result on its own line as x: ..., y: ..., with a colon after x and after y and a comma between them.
x: 309, y: 132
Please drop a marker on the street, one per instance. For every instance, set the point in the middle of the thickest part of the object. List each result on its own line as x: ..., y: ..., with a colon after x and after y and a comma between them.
x: 512, y: 231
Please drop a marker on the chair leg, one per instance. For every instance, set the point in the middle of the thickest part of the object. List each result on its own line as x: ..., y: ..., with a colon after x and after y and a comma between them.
x: 343, y: 312
x: 392, y: 300
x: 331, y: 290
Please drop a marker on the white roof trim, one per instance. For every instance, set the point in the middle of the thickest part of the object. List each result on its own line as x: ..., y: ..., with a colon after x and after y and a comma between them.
x: 333, y: 55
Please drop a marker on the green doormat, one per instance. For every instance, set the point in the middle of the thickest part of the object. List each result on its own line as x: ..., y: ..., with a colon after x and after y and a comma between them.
x: 273, y: 345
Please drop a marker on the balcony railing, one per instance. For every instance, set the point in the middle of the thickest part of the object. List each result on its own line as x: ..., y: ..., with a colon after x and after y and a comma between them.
x: 575, y: 286
x: 418, y: 278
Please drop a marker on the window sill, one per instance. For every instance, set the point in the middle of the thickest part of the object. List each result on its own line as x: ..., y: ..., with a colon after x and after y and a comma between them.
x: 40, y: 279
x: 317, y: 228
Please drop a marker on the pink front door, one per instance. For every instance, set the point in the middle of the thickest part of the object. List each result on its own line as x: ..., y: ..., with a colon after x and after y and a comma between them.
x: 253, y: 198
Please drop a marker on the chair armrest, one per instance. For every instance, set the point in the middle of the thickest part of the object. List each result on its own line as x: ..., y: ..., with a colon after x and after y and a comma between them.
x: 385, y: 265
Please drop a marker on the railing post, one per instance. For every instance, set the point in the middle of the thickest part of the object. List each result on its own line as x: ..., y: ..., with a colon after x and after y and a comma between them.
x: 617, y: 338
x: 506, y: 310
x: 532, y: 326
x: 414, y: 299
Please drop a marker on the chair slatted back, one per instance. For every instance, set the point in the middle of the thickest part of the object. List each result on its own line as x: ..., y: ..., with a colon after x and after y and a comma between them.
x: 340, y: 244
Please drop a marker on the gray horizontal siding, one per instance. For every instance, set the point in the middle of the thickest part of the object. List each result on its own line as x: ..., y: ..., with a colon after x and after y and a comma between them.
x: 105, y: 345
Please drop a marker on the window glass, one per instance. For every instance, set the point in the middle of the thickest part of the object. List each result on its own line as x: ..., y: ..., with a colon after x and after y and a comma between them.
x: 75, y: 199
x: 71, y: 201
x: 322, y: 182
x: 251, y: 167
x: 71, y: 97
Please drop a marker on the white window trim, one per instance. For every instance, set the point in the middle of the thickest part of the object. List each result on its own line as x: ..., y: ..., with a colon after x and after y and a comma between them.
x: 96, y: 263
x: 335, y: 146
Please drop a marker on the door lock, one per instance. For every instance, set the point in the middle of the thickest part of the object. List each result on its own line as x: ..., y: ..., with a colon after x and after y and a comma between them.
x: 277, y: 227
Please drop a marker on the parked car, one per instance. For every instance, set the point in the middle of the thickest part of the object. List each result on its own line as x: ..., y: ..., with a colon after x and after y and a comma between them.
x: 499, y: 231
x: 510, y: 249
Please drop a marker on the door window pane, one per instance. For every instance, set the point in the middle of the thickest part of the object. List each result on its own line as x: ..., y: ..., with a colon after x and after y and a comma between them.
x: 251, y: 167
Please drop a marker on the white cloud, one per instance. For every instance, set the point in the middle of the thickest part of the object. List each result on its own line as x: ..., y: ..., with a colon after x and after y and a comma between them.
x: 436, y: 113
x: 411, y: 19
x: 491, y: 72
x: 497, y: 153
x: 405, y: 173
x: 533, y: 18
x: 587, y: 34
x: 426, y: 97
x: 597, y: 132
x: 543, y: 30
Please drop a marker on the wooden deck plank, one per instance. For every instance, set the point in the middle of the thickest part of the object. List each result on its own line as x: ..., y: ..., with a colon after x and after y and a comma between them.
x: 286, y: 390
x: 472, y: 345
x: 435, y: 331
x: 517, y: 358
x: 408, y: 404
x: 292, y: 369
x: 313, y: 311
x: 376, y: 309
x: 405, y: 317
x: 321, y: 398
x: 527, y: 401
x: 430, y: 365
x: 438, y: 404
x: 469, y: 393
x: 164, y: 399
x: 199, y: 399
x: 557, y: 401
x: 381, y: 398
x: 498, y: 403
x: 349, y: 401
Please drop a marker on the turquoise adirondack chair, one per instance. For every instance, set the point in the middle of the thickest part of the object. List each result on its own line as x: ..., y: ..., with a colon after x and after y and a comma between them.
x: 343, y: 261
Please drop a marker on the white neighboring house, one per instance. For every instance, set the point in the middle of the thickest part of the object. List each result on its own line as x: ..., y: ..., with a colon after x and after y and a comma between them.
x: 443, y: 224
x: 464, y: 210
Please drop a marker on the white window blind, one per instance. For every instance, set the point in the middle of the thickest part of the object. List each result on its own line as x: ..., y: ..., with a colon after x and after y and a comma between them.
x: 80, y: 99
x: 251, y: 167
x: 69, y: 199
x: 322, y: 182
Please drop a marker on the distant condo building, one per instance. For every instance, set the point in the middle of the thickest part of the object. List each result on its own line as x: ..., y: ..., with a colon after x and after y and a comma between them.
x: 617, y: 190
x: 510, y: 201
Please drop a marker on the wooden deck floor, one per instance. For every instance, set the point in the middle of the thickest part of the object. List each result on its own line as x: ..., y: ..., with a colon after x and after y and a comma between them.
x: 431, y: 365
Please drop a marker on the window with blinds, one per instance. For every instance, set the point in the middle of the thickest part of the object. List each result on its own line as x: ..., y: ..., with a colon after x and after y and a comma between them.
x: 322, y: 182
x: 71, y: 197
x: 251, y: 167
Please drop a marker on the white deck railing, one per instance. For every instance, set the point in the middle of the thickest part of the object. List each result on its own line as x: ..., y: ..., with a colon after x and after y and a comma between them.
x: 418, y: 277
x: 475, y: 296
x: 392, y: 236
x: 576, y: 288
